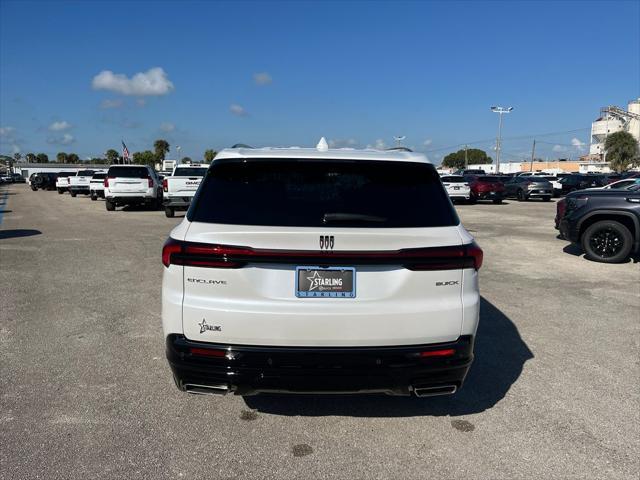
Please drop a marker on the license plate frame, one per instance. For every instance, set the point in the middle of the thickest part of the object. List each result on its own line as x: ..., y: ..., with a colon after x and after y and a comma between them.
x: 317, y: 291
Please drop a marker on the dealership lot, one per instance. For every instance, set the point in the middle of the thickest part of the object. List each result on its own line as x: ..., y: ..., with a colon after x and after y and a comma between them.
x: 86, y: 390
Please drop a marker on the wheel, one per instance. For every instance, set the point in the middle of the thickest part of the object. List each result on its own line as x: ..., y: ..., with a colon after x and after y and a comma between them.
x: 34, y: 188
x: 546, y: 199
x: 607, y: 241
x: 497, y: 201
x: 110, y: 205
x: 93, y: 197
x: 520, y: 196
x: 169, y: 212
x: 60, y: 191
x: 73, y: 194
x: 472, y: 199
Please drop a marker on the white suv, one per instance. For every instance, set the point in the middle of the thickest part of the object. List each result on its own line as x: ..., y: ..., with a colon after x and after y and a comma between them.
x: 315, y: 270
x: 132, y: 185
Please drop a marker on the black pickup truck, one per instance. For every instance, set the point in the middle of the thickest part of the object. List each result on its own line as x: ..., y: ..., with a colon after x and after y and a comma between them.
x: 606, y: 223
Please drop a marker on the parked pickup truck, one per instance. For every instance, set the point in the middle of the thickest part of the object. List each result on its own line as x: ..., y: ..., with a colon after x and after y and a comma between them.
x: 181, y: 186
x: 79, y: 183
x: 62, y: 181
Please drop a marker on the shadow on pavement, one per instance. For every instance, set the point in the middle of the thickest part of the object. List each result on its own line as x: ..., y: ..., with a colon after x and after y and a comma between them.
x: 500, y: 354
x: 4, y: 234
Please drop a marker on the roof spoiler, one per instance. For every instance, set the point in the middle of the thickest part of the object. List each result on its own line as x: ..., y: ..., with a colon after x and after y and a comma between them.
x: 241, y: 145
x: 399, y: 149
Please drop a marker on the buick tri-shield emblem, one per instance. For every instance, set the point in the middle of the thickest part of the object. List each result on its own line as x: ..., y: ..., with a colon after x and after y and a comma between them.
x: 326, y: 242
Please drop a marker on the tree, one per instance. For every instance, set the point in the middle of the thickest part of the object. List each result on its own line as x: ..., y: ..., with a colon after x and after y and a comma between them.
x: 73, y: 158
x: 31, y: 158
x: 209, y: 155
x: 186, y: 160
x: 17, y: 156
x: 622, y: 151
x: 42, y: 158
x: 475, y: 156
x: 112, y: 155
x: 161, y: 148
x: 145, y: 158
x: 61, y: 157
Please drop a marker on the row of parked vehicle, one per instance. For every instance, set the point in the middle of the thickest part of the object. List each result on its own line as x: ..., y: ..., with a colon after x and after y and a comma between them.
x: 474, y: 185
x: 123, y: 185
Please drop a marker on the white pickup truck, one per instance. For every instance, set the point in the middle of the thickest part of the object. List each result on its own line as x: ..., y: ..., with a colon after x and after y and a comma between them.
x: 79, y: 183
x: 62, y: 181
x: 181, y: 186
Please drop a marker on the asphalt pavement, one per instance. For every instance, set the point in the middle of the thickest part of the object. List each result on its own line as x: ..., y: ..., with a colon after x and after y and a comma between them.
x: 86, y: 392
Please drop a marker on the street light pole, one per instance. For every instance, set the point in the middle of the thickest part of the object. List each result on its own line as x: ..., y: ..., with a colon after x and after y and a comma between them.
x: 500, y: 111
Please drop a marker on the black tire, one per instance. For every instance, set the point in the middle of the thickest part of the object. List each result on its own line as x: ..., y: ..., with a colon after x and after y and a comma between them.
x: 94, y: 198
x: 520, y: 196
x: 169, y: 212
x: 472, y: 200
x: 497, y: 201
x: 546, y: 199
x: 60, y: 191
x: 607, y: 241
x: 110, y: 205
x: 34, y: 188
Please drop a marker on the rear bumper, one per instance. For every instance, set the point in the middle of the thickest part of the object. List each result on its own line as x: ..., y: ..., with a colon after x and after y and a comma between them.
x: 247, y: 370
x: 539, y: 193
x: 489, y: 195
x: 79, y: 189
x: 126, y: 200
x: 177, y: 202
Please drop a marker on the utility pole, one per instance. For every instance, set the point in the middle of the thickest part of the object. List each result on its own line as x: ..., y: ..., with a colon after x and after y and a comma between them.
x: 500, y: 111
x: 466, y: 158
x: 533, y: 153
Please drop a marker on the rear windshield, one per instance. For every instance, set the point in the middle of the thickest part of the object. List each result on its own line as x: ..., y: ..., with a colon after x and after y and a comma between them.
x: 85, y: 173
x: 190, y: 172
x: 490, y: 179
x: 453, y: 179
x: 128, y: 172
x: 66, y: 174
x: 99, y: 175
x: 323, y: 193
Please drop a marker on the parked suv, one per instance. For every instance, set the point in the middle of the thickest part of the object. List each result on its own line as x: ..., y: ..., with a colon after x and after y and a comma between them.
x: 579, y: 181
x: 96, y: 185
x: 486, y: 187
x: 132, y: 185
x: 304, y: 270
x: 43, y: 181
x: 525, y: 188
x: 457, y: 187
x: 606, y: 223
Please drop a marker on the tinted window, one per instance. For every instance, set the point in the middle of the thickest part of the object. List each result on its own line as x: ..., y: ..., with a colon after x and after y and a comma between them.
x: 99, y: 175
x: 453, y: 179
x: 190, y: 172
x: 128, y: 172
x: 490, y: 179
x: 322, y: 193
x: 85, y: 173
x: 66, y: 174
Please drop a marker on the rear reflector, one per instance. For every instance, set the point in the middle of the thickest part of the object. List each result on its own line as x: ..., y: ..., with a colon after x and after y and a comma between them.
x: 177, y: 252
x: 207, y: 352
x: 448, y: 352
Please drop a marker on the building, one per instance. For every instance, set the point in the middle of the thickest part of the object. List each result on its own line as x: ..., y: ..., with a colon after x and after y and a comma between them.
x: 27, y: 169
x: 613, y: 119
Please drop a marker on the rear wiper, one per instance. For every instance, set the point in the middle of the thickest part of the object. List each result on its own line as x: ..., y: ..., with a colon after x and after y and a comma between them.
x: 351, y: 217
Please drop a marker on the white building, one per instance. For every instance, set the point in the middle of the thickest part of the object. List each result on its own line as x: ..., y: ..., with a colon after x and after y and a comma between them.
x: 614, y: 119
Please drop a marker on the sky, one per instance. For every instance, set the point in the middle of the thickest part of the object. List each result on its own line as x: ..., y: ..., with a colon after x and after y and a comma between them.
x: 83, y: 76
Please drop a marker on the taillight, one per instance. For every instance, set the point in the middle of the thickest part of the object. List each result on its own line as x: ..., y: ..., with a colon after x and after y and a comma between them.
x: 225, y: 256
x: 207, y: 352
x: 106, y: 182
x: 165, y: 185
x: 150, y: 182
x: 561, y: 207
x: 447, y: 352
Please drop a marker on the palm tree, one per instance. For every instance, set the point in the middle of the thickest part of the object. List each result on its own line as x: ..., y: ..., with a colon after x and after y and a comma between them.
x: 73, y: 158
x: 17, y: 156
x: 161, y: 148
x: 112, y: 155
x: 209, y: 155
x: 61, y: 157
x: 622, y: 151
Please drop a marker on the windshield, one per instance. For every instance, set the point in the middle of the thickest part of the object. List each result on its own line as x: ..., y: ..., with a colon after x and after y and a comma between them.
x: 453, y: 180
x: 317, y: 193
x: 190, y: 172
x: 128, y: 172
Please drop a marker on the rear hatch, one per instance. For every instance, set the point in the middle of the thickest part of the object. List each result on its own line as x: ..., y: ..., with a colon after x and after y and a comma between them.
x: 128, y: 179
x: 185, y: 181
x: 63, y: 179
x: 322, y: 253
x: 82, y: 179
x: 455, y: 185
x: 541, y: 186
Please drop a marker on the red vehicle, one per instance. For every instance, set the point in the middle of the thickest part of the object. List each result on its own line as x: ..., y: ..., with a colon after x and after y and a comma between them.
x: 485, y: 187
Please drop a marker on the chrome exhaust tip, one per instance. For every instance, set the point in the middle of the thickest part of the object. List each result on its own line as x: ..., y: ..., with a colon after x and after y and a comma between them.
x: 206, y: 389
x: 433, y: 391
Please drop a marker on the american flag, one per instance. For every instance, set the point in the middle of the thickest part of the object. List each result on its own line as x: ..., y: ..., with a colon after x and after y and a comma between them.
x: 125, y: 152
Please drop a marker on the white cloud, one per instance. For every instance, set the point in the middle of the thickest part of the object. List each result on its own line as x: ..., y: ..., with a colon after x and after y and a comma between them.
x: 427, y: 142
x: 108, y: 103
x: 167, y: 127
x: 343, y: 143
x: 66, y: 139
x: 59, y: 126
x: 238, y: 110
x: 559, y: 148
x: 152, y: 82
x: 578, y: 144
x: 262, y: 78
x: 6, y: 131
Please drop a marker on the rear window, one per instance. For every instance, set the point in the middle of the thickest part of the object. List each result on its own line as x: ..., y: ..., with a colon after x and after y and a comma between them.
x: 128, y: 172
x: 66, y: 174
x: 490, y: 179
x: 190, y: 172
x: 99, y: 175
x: 323, y: 193
x: 85, y: 173
x: 453, y: 179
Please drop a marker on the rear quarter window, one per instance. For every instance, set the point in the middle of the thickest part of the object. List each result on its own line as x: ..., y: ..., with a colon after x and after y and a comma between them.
x: 323, y: 193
